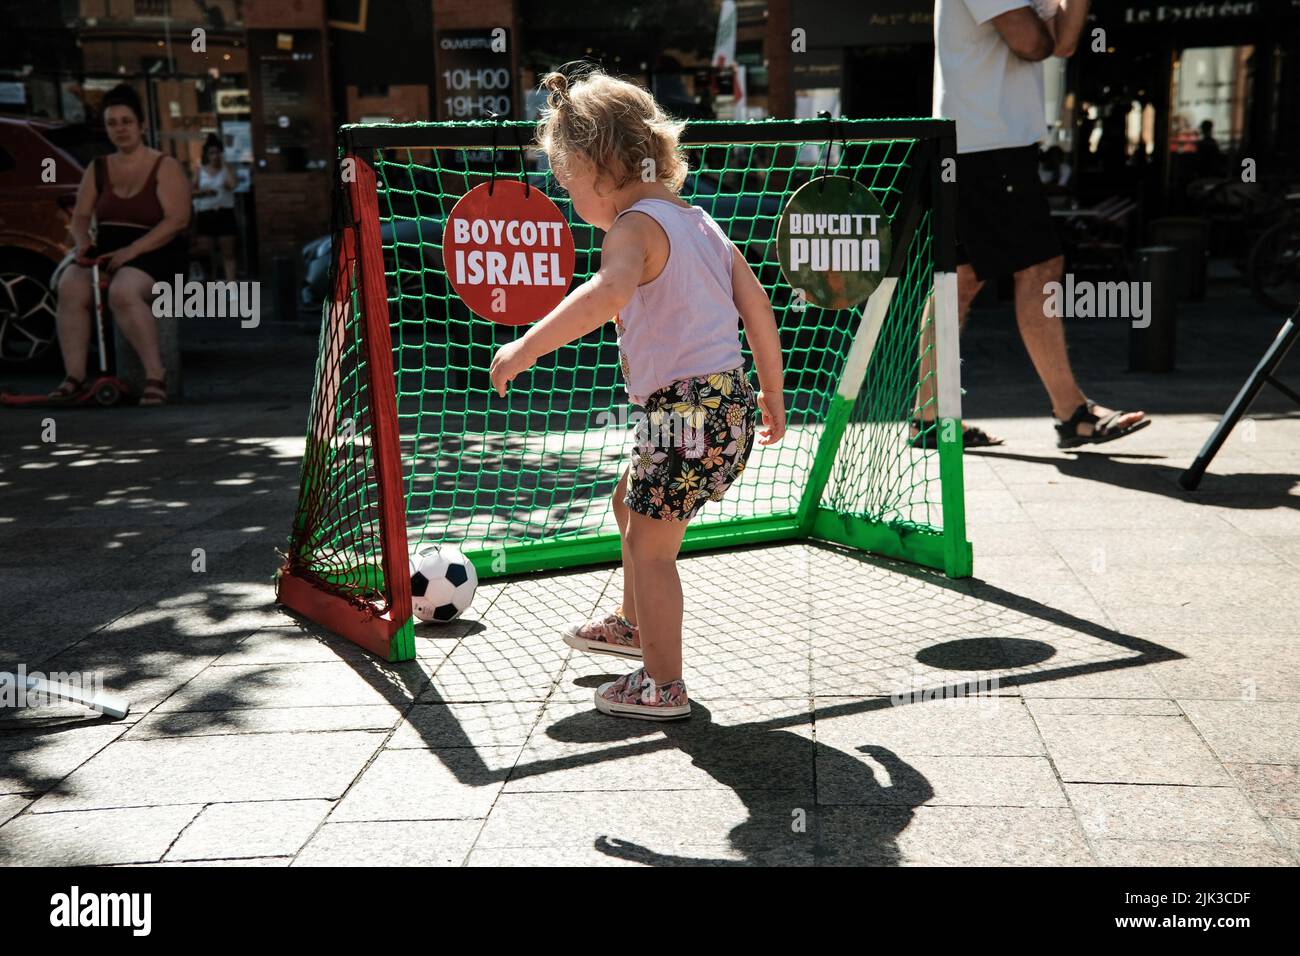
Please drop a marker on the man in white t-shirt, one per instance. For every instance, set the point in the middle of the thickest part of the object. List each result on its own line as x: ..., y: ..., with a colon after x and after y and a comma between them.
x: 988, y: 78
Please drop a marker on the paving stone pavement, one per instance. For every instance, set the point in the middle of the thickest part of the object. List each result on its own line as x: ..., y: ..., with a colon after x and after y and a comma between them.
x: 1130, y: 656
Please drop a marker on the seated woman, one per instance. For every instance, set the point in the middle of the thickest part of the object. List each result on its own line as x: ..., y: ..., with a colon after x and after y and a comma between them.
x: 140, y: 200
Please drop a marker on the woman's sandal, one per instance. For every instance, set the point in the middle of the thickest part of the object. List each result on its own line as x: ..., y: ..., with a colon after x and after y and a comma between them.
x: 155, y: 392
x: 1103, y: 429
x: 68, y: 391
x: 926, y: 435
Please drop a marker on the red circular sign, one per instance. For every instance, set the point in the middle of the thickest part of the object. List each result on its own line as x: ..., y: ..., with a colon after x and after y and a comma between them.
x: 509, y: 257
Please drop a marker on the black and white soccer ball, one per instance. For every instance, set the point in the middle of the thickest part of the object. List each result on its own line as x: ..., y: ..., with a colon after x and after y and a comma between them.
x: 443, y: 582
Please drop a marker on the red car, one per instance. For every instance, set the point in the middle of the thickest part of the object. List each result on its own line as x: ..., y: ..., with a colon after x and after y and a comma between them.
x: 41, y: 164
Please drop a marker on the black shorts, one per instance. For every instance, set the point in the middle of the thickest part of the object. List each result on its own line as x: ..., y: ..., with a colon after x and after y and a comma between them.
x: 161, y: 265
x: 691, y: 445
x: 1003, y: 221
x: 215, y: 222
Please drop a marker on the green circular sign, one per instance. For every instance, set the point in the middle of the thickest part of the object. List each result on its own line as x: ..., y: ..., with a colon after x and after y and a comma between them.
x: 833, y: 242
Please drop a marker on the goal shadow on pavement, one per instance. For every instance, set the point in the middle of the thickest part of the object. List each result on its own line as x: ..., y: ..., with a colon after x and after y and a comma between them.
x: 794, y: 654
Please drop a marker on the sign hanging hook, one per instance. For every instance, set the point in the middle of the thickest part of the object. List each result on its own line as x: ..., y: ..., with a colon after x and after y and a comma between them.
x: 497, y: 120
x: 832, y: 126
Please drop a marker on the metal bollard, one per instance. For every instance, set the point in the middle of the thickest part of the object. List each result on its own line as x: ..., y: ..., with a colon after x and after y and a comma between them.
x: 285, y: 289
x: 1151, y: 349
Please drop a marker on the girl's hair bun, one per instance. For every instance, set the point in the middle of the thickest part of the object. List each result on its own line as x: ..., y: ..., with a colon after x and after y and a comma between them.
x: 614, y: 124
x: 556, y: 85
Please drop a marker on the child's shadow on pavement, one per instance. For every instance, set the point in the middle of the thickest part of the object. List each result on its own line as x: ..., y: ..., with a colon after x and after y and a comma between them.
x: 771, y: 771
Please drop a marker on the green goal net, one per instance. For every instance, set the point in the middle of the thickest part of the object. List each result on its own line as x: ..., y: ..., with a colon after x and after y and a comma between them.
x: 408, y: 446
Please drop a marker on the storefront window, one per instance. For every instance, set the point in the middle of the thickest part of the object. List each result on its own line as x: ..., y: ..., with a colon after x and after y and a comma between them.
x: 1057, y: 105
x: 1209, y: 85
x: 1140, y: 128
x: 807, y: 104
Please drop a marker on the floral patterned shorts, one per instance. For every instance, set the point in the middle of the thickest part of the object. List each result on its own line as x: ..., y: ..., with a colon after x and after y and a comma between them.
x: 691, y: 445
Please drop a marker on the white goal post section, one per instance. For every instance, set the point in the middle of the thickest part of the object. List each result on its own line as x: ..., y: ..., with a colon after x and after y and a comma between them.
x: 939, y: 332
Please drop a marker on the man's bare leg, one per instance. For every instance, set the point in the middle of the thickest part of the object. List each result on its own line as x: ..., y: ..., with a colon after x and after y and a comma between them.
x: 1044, y: 338
x: 968, y: 286
x: 1043, y: 335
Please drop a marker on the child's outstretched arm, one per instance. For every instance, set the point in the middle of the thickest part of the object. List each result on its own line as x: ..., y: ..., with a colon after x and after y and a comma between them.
x: 622, y: 259
x: 765, y: 342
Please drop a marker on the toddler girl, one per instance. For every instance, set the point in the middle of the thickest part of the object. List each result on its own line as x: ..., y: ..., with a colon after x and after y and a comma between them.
x: 674, y: 284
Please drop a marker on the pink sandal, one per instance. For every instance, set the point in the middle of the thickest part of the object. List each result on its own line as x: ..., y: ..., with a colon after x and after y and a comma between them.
x: 639, y: 697
x: 612, y: 634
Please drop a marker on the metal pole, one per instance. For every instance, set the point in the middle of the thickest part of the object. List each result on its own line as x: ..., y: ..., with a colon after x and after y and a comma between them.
x: 167, y: 32
x: 1152, y: 346
x: 1263, y: 374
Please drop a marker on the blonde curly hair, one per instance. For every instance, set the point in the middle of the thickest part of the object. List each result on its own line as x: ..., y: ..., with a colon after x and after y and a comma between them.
x: 614, y: 124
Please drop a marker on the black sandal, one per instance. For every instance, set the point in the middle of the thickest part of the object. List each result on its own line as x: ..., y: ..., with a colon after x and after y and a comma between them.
x: 1103, y: 429
x: 69, y: 390
x: 926, y: 436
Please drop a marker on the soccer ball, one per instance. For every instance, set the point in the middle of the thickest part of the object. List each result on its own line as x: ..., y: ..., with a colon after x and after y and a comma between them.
x: 443, y: 582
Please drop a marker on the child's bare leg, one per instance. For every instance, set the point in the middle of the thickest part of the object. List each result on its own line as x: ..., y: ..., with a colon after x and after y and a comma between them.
x: 621, y: 514
x: 653, y: 545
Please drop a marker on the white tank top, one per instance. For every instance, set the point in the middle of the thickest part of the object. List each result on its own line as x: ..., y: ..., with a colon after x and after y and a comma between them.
x: 224, y: 199
x: 684, y: 322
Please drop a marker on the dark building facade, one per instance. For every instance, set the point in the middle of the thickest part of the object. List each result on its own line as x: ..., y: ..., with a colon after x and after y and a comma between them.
x: 274, y: 78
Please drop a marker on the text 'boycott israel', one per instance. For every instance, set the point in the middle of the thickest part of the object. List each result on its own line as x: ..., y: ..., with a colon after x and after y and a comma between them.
x: 508, y: 252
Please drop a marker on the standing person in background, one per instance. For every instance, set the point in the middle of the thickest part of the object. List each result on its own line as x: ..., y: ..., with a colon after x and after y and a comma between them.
x: 988, y: 77
x: 214, y: 208
x: 1209, y: 158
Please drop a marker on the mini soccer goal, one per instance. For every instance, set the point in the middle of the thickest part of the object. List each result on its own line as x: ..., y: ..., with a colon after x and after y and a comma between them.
x: 408, y: 446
